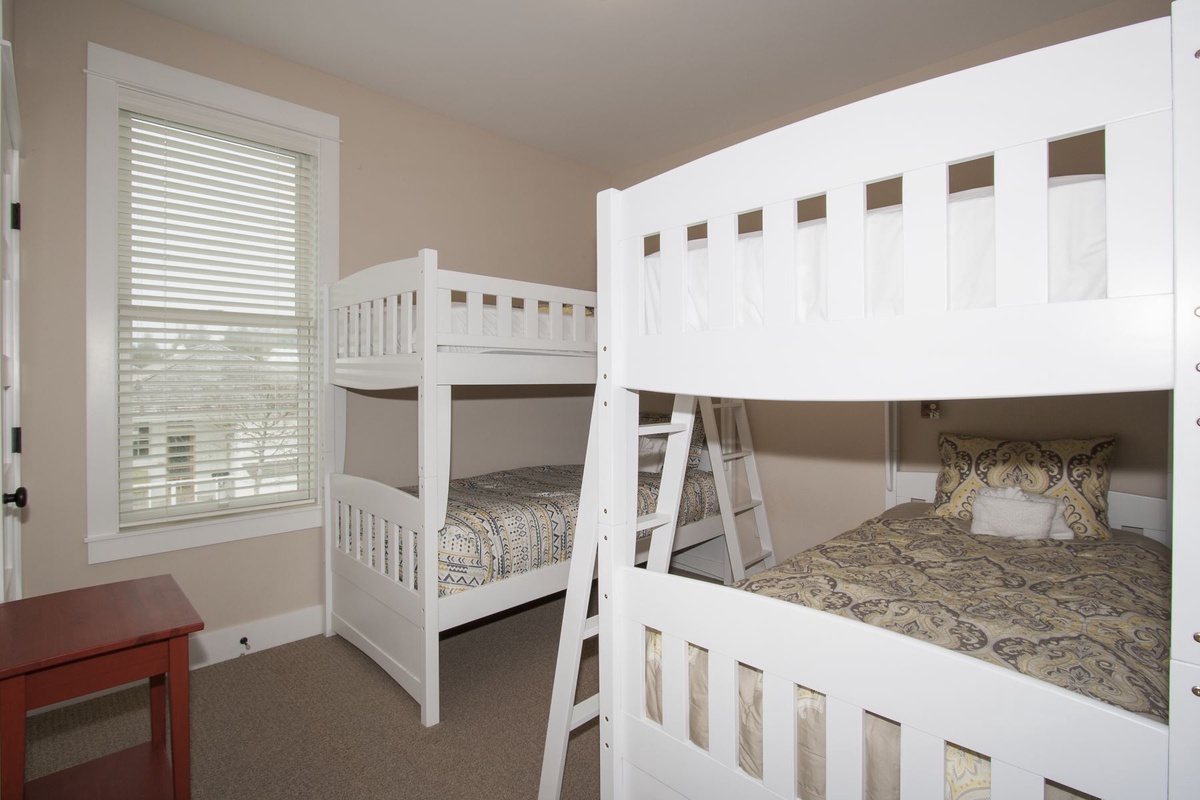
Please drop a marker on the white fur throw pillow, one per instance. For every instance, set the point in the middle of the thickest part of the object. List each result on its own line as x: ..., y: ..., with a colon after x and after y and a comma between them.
x: 1011, y: 513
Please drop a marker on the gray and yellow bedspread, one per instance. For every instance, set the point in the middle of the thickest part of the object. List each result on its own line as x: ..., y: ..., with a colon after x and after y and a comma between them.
x: 518, y: 520
x: 1089, y: 616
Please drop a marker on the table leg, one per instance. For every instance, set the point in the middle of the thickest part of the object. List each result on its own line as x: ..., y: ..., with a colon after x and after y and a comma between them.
x: 12, y: 738
x: 158, y: 709
x: 181, y: 760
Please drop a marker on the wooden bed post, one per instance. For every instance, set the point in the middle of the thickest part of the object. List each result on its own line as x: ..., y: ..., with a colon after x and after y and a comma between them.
x: 433, y: 423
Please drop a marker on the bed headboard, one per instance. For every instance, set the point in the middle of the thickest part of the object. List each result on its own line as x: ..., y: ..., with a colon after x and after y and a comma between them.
x: 1149, y: 516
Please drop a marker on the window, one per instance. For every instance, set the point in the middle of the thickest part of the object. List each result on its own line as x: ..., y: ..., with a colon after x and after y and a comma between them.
x: 209, y: 232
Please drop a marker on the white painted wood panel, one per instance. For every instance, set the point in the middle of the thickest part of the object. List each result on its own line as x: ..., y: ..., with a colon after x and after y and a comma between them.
x: 779, y: 260
x: 846, y: 209
x: 1138, y: 204
x: 673, y: 263
x: 926, y: 239
x: 922, y: 764
x: 722, y: 276
x: 1022, y: 232
x: 844, y: 759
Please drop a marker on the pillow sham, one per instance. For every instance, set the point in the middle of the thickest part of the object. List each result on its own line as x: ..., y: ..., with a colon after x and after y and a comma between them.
x: 651, y: 449
x: 1075, y: 471
x: 1013, y: 516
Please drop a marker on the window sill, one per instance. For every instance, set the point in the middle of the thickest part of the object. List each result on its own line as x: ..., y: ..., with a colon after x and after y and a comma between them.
x: 114, y: 547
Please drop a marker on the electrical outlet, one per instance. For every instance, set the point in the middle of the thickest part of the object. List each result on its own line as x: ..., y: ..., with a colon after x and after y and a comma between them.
x: 245, y: 642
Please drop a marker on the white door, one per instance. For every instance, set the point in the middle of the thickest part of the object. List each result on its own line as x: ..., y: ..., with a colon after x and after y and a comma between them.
x: 10, y: 330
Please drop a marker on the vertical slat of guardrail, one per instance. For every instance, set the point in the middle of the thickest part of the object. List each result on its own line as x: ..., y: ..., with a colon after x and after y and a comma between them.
x: 377, y: 327
x: 356, y: 530
x: 673, y: 255
x: 843, y: 749
x: 504, y: 316
x: 779, y: 735
x: 556, y: 321
x: 530, y: 316
x: 723, y: 709
x: 674, y: 684
x: 922, y: 765
x: 394, y: 551
x: 779, y: 263
x: 475, y: 313
x: 1022, y: 233
x: 578, y: 322
x: 391, y: 329
x: 406, y: 323
x: 1014, y: 783
x: 444, y: 304
x: 352, y: 338
x: 1139, y: 205
x: 846, y: 209
x: 926, y: 240
x: 723, y: 284
x: 409, y: 561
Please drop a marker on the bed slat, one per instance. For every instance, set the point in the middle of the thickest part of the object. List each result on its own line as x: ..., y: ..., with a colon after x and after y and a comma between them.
x: 475, y: 313
x: 1022, y: 237
x: 846, y: 208
x: 1138, y: 205
x: 723, y: 724
x: 406, y: 324
x: 843, y: 749
x: 672, y: 263
x: 922, y: 764
x: 722, y: 278
x: 529, y: 318
x: 779, y: 254
x: 779, y: 735
x: 556, y: 321
x: 926, y: 260
x: 504, y: 316
x: 674, y: 686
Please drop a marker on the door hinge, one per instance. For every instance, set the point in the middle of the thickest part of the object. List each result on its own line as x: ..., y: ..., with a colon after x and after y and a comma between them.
x: 15, y: 217
x: 16, y: 440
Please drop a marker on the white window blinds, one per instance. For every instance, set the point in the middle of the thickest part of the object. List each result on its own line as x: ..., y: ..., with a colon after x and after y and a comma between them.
x: 216, y: 344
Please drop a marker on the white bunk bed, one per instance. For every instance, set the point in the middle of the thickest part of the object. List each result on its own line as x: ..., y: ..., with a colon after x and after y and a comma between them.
x: 408, y: 323
x: 1141, y: 85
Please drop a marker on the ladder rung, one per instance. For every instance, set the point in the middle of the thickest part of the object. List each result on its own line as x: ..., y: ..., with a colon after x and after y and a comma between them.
x: 762, y: 555
x: 736, y: 455
x: 649, y: 521
x: 749, y: 505
x: 591, y: 626
x: 585, y: 711
x: 659, y: 428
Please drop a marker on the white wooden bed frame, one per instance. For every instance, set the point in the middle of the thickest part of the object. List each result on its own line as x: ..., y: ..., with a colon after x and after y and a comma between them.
x: 389, y: 328
x: 1142, y: 86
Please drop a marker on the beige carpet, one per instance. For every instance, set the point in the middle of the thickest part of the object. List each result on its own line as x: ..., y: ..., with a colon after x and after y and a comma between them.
x: 317, y: 718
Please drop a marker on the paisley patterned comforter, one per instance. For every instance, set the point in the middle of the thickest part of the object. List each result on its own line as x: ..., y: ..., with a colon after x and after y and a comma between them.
x: 1089, y: 616
x: 518, y: 520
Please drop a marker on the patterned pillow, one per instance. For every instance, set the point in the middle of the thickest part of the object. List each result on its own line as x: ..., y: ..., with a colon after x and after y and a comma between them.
x: 695, y: 447
x: 1075, y: 471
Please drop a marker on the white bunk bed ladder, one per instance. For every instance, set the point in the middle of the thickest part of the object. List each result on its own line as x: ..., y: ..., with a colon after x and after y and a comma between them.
x: 729, y: 444
x: 565, y: 714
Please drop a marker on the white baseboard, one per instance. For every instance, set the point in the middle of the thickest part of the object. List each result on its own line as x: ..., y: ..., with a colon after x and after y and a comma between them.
x: 213, y: 647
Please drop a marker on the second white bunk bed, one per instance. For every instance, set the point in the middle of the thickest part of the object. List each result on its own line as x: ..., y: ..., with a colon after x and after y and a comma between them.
x: 1141, y: 331
x: 503, y: 539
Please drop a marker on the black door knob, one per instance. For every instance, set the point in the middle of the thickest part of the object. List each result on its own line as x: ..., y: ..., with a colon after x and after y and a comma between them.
x: 18, y: 498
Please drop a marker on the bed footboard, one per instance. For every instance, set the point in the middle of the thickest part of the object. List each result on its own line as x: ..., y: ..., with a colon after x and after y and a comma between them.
x: 1030, y: 730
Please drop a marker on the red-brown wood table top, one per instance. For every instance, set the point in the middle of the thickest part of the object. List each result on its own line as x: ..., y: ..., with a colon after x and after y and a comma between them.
x: 64, y: 645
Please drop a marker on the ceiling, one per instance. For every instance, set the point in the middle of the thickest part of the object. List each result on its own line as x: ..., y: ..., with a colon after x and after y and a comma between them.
x: 614, y: 84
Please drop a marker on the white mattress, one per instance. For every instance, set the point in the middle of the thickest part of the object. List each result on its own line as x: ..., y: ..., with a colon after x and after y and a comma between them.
x: 1078, y: 258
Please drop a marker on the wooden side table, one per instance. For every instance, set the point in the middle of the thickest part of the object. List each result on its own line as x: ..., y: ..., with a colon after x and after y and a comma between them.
x: 64, y: 645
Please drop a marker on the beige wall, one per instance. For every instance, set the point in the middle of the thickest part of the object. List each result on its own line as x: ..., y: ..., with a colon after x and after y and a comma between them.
x: 409, y: 179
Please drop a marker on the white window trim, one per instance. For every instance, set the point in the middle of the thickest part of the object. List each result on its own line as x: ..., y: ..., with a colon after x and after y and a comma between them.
x: 114, y: 77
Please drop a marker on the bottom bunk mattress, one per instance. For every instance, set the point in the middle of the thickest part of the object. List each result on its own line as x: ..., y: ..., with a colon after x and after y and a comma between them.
x: 1089, y: 616
x: 515, y: 521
